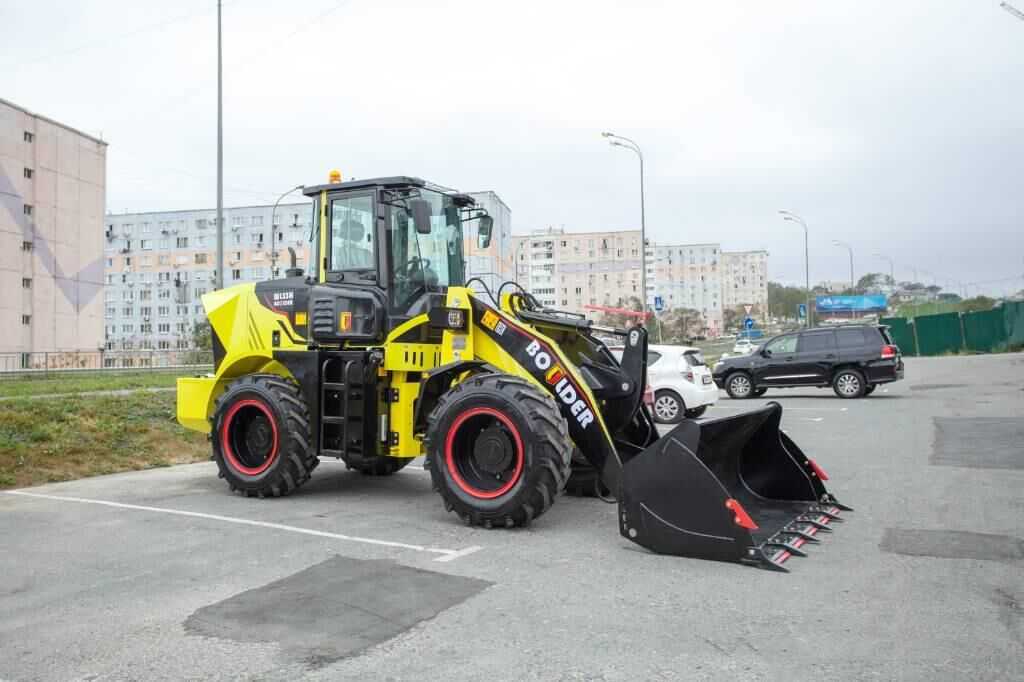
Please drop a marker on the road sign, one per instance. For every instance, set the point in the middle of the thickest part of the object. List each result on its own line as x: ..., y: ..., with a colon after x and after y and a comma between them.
x: 801, y: 309
x: 748, y: 323
x: 659, y: 304
x: 747, y: 307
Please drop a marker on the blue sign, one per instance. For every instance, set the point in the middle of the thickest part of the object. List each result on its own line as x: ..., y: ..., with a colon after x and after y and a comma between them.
x: 659, y: 304
x: 849, y: 304
x: 801, y: 310
x: 748, y: 323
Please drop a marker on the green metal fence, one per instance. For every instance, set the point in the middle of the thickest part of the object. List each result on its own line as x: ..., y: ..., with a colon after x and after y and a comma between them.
x: 984, y: 331
x: 902, y: 331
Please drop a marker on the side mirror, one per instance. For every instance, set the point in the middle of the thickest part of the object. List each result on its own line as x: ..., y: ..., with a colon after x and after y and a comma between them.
x: 765, y: 353
x: 420, y: 215
x: 483, y: 233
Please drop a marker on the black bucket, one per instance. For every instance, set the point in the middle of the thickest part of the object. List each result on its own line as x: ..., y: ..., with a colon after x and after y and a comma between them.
x: 732, y: 489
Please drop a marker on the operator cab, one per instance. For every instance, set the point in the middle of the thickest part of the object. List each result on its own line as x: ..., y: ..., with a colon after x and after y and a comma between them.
x: 384, y: 250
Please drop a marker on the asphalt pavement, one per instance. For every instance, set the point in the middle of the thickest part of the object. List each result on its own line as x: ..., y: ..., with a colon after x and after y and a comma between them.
x: 164, y: 574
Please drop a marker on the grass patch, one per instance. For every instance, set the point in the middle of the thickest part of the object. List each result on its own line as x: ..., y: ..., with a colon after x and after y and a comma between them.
x: 60, y: 440
x: 69, y: 382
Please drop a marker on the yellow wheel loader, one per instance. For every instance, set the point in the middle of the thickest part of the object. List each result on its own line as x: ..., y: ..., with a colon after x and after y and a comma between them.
x: 381, y: 353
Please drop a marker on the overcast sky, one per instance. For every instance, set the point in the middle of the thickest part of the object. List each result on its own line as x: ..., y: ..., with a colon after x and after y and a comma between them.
x: 895, y: 126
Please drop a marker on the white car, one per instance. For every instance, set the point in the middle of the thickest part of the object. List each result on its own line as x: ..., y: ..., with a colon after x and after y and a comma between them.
x: 743, y: 347
x: 682, y: 383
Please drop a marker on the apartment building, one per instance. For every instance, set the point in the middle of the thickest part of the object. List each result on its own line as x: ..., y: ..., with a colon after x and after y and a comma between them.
x: 159, y: 264
x: 52, y: 200
x: 570, y: 271
x: 745, y: 279
x: 688, y: 276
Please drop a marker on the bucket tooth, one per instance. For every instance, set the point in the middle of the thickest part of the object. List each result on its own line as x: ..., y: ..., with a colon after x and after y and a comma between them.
x: 807, y: 537
x: 793, y: 547
x: 832, y: 514
x: 818, y: 521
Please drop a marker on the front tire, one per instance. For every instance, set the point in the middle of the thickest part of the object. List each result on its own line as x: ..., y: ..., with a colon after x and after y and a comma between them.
x: 499, y: 451
x: 849, y: 383
x: 668, y: 407
x: 739, y: 386
x: 261, y: 436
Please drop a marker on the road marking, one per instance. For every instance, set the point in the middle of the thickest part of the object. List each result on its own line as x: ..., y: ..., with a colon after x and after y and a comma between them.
x: 784, y: 408
x: 806, y: 419
x: 446, y: 554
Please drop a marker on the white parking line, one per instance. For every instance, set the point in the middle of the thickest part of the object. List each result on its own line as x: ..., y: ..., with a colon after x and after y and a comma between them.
x: 784, y: 408
x: 445, y: 554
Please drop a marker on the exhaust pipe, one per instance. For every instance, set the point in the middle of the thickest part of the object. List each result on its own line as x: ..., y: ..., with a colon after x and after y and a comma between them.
x: 730, y: 489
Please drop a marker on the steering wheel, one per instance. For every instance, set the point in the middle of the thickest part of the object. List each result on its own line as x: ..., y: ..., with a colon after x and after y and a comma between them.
x: 403, y: 271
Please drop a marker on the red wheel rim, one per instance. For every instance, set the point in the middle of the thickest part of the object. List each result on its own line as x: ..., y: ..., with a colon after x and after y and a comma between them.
x: 450, y: 458
x: 226, y: 437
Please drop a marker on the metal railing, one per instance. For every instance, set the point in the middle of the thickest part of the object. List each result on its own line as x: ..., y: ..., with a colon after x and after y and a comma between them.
x: 52, y: 362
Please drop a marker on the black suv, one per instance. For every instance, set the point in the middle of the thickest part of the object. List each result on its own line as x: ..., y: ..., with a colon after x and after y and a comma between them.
x: 852, y: 359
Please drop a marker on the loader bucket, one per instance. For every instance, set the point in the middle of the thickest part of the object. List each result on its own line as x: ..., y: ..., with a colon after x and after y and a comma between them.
x: 732, y: 489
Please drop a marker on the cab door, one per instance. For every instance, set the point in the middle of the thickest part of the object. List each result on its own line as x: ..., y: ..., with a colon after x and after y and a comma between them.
x: 347, y: 303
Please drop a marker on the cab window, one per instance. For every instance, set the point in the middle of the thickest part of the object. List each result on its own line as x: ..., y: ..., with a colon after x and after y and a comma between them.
x: 783, y: 344
x: 352, y: 234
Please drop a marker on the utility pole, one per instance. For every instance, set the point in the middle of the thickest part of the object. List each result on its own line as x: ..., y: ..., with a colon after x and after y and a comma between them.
x: 220, y: 159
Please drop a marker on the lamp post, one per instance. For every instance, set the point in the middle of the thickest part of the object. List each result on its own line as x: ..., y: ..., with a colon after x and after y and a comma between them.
x: 934, y: 284
x: 892, y: 272
x: 913, y: 270
x: 220, y: 160
x: 619, y: 141
x: 849, y: 248
x: 273, y: 230
x: 786, y: 215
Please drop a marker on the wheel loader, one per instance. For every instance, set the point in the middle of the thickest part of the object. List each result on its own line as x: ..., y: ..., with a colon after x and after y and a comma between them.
x: 382, y: 352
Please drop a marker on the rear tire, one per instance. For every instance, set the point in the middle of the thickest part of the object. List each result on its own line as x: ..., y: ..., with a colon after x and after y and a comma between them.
x: 498, y: 450
x: 261, y: 436
x: 668, y: 407
x: 849, y: 383
x: 739, y: 386
x: 696, y: 412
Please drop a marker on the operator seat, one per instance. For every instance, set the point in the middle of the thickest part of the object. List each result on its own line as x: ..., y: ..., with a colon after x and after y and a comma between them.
x: 352, y: 253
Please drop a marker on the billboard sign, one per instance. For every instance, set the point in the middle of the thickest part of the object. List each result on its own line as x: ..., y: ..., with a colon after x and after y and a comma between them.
x: 849, y: 304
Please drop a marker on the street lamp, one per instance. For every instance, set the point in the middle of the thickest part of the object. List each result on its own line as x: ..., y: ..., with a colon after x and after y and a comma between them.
x: 273, y: 230
x: 850, y: 249
x: 786, y: 215
x: 619, y: 141
x: 892, y: 272
x: 913, y: 270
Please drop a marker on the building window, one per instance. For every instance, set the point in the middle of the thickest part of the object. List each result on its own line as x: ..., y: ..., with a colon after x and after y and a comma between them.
x: 27, y: 209
x: 26, y: 319
x: 26, y: 282
x: 28, y: 136
x: 236, y: 274
x: 200, y: 259
x: 27, y: 173
x: 182, y: 242
x: 257, y: 221
x: 26, y: 246
x: 144, y: 228
x: 145, y: 243
x: 183, y: 259
x: 164, y: 327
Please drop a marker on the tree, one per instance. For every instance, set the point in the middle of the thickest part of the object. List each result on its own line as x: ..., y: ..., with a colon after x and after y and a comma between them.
x: 618, y: 319
x: 783, y: 300
x: 202, y: 335
x: 677, y: 323
x: 870, y: 283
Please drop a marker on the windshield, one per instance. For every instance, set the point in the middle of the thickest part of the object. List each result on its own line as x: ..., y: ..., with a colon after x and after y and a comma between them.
x: 424, y: 262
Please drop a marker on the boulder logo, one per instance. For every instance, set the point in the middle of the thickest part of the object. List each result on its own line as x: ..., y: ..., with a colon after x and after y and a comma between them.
x: 563, y: 388
x: 345, y: 322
